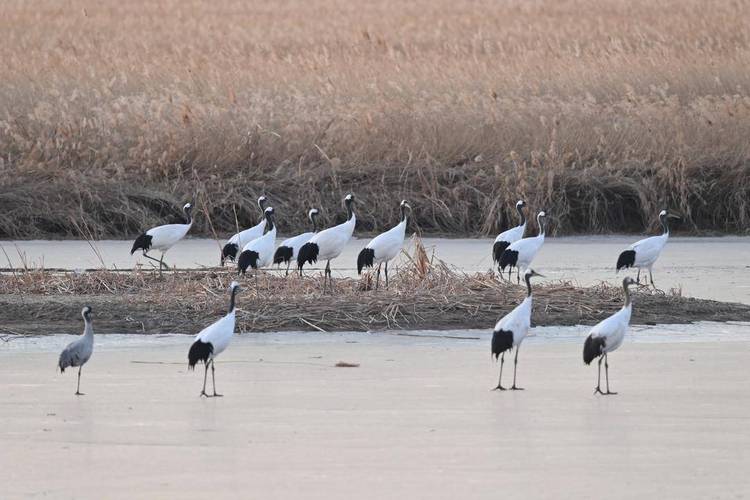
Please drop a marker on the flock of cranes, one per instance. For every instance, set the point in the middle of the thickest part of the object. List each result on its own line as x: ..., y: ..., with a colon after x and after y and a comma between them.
x: 510, y: 249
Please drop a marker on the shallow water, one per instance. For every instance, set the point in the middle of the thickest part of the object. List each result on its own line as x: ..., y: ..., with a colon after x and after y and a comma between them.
x: 713, y: 268
x: 697, y: 332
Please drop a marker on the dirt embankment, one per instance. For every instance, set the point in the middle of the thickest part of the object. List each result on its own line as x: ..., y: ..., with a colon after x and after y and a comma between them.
x: 427, y: 298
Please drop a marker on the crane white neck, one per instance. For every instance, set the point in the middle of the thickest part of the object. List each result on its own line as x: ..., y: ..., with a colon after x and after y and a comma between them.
x: 542, y: 222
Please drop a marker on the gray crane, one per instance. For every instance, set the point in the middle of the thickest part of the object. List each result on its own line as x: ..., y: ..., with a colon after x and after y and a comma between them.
x: 78, y: 352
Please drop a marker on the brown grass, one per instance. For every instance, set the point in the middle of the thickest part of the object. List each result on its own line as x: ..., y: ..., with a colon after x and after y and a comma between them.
x: 602, y: 112
x: 422, y: 295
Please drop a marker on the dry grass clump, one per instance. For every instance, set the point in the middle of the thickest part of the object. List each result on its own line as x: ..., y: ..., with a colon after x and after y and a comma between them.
x: 602, y: 112
x: 422, y: 295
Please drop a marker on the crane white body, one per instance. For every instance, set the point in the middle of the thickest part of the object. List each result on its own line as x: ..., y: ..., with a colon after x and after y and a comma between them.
x: 218, y: 334
x: 611, y: 331
x: 332, y: 241
x: 244, y: 237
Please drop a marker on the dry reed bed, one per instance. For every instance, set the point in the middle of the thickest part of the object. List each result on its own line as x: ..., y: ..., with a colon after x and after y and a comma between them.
x: 602, y: 112
x: 421, y: 296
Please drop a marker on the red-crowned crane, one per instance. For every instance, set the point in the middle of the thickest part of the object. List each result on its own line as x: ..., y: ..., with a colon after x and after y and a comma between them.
x: 213, y: 340
x: 259, y: 252
x: 289, y: 248
x: 329, y: 243
x: 607, y: 336
x: 643, y: 254
x: 163, y: 238
x: 511, y: 330
x: 385, y: 246
x: 239, y: 240
x: 521, y: 253
x: 509, y: 236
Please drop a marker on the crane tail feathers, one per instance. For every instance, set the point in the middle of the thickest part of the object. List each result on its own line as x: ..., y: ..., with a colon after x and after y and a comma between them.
x: 229, y: 252
x: 366, y: 258
x: 497, y: 250
x: 308, y: 253
x: 199, y: 351
x: 502, y: 340
x: 283, y: 254
x: 508, y: 258
x: 142, y: 242
x: 626, y: 259
x: 592, y: 348
x: 248, y: 258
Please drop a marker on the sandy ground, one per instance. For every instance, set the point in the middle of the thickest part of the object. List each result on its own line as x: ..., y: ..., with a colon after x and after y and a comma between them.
x: 415, y: 420
x: 710, y: 268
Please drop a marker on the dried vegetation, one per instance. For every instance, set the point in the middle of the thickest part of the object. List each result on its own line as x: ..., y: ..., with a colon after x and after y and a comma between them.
x: 602, y: 112
x: 425, y: 294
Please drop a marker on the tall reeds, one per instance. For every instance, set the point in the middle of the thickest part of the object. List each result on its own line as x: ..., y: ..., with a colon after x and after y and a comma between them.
x: 601, y: 112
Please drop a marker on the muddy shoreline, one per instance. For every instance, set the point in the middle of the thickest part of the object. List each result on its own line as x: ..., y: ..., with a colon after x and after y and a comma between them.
x: 477, y: 303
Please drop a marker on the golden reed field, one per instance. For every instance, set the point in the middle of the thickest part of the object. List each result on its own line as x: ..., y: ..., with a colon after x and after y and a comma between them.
x: 112, y: 114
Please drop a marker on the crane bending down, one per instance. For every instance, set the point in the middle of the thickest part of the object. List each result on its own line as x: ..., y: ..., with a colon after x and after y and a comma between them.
x: 643, y: 253
x: 607, y: 336
x: 163, y: 238
x: 511, y: 330
x: 78, y: 352
x: 213, y: 340
x: 385, y: 246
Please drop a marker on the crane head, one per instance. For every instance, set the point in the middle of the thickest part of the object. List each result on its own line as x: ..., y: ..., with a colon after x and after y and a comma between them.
x: 262, y: 202
x: 86, y: 313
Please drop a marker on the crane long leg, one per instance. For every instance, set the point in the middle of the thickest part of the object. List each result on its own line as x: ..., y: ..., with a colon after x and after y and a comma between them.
x: 515, y: 365
x: 377, y: 277
x: 606, y: 373
x: 638, y: 277
x: 287, y: 267
x: 257, y: 290
x: 78, y: 387
x: 205, y: 376
x: 518, y: 275
x: 651, y: 278
x: 510, y: 270
x: 213, y: 379
x: 386, y: 274
x: 328, y: 274
x: 500, y: 379
x: 160, y: 261
x: 599, y: 378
